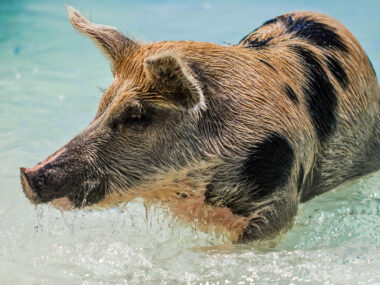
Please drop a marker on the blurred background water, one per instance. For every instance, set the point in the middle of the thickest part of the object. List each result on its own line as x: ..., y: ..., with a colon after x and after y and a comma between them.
x: 49, y: 79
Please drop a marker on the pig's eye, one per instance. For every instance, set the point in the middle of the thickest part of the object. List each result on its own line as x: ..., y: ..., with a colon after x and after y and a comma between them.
x: 132, y: 118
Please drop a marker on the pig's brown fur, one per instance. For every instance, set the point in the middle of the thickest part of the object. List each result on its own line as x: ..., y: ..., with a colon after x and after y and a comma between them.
x: 242, y: 133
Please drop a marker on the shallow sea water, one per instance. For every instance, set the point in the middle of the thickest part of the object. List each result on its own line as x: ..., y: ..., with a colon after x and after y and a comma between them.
x: 49, y: 79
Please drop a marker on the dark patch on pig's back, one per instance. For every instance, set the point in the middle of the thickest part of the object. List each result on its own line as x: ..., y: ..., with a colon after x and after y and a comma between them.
x: 315, y: 32
x: 304, y: 28
x: 319, y: 92
x: 267, y: 166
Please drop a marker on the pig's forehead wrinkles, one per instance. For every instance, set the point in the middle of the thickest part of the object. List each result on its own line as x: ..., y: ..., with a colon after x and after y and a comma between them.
x: 120, y: 101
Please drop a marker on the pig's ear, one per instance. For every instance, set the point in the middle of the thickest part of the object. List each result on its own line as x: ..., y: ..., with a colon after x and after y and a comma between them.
x: 176, y: 81
x: 113, y: 43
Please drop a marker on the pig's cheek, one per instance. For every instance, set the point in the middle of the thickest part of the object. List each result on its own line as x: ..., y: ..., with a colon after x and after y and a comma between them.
x: 63, y: 203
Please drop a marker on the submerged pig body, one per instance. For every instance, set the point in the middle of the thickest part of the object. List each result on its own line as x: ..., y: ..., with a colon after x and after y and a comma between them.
x: 233, y: 136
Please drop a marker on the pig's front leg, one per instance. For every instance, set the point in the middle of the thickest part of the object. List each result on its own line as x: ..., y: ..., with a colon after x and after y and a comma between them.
x: 270, y: 218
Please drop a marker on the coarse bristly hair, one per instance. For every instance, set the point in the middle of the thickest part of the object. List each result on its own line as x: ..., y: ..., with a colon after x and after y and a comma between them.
x: 234, y: 137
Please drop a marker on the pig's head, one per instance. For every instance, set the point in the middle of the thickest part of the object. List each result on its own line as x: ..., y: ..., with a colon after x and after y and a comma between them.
x: 148, y: 124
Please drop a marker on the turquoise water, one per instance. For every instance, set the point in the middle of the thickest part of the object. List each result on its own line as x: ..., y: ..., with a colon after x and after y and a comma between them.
x: 49, y: 79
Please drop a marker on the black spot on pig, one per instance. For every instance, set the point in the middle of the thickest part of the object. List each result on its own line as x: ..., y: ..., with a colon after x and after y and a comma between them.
x: 317, y: 33
x: 268, y: 166
x: 320, y: 94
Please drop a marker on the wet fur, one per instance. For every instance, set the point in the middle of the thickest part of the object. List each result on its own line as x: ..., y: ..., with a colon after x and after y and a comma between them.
x: 182, y: 192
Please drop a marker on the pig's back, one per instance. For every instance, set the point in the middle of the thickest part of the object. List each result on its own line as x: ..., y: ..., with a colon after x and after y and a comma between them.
x: 335, y: 82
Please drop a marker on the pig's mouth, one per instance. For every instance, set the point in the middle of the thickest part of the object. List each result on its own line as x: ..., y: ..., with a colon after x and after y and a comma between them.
x: 47, y: 182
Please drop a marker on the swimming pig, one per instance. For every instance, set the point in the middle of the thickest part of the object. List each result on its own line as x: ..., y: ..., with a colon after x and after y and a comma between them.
x: 231, y: 136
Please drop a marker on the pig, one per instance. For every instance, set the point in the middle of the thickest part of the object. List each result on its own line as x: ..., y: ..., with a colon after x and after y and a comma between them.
x: 234, y: 137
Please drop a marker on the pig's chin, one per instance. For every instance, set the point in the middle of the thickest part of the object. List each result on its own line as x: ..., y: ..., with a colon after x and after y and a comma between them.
x: 63, y: 203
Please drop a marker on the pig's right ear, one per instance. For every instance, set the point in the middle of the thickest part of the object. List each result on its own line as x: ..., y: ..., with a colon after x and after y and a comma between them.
x: 176, y: 81
x: 113, y: 43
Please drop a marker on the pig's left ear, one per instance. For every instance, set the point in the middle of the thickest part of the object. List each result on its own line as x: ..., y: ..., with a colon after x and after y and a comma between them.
x: 176, y: 81
x: 113, y: 43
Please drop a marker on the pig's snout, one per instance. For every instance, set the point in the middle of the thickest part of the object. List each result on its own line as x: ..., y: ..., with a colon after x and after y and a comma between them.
x: 64, y: 180
x: 41, y: 183
x: 26, y: 182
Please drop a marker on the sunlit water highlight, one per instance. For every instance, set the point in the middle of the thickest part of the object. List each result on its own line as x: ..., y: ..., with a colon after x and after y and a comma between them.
x: 48, y: 91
